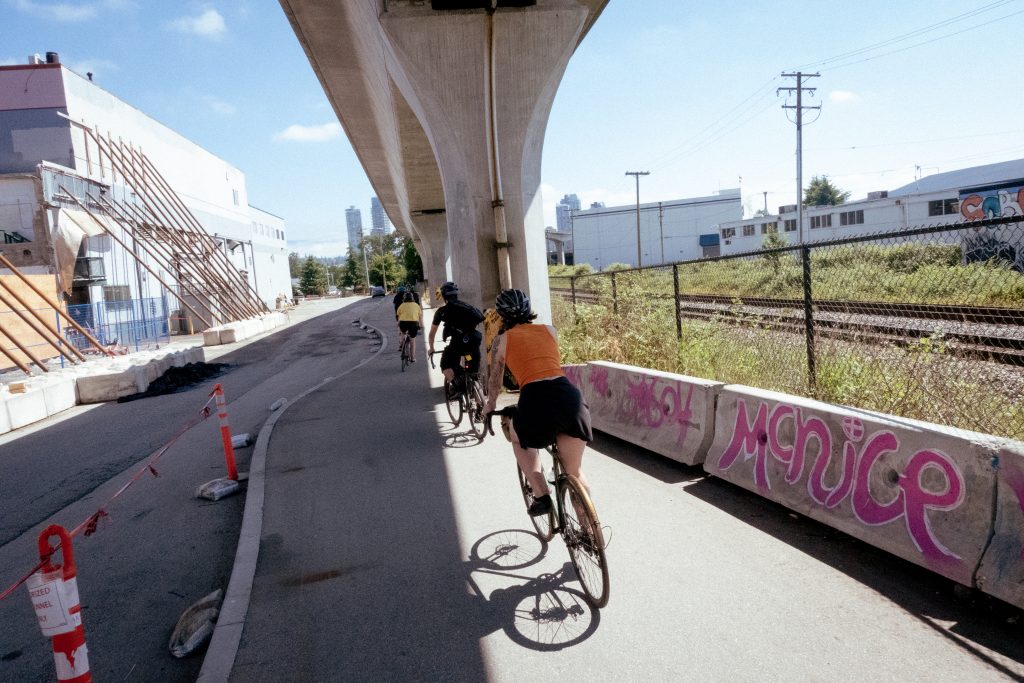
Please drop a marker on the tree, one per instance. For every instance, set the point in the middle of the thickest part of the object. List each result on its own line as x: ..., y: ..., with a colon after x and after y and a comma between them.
x: 354, y: 275
x: 411, y: 261
x: 313, y: 279
x: 295, y: 264
x: 773, y: 240
x: 821, y: 192
x: 385, y: 270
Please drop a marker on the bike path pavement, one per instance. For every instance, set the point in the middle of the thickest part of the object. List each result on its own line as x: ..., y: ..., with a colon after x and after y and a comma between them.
x: 392, y: 546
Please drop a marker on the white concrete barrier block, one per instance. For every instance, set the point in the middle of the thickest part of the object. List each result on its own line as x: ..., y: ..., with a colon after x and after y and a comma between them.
x: 578, y: 375
x: 670, y: 414
x: 195, y: 355
x: 211, y: 336
x: 110, y: 385
x: 26, y: 408
x: 59, y: 394
x: 5, y: 418
x: 917, y: 490
x: 1002, y: 568
x: 230, y: 334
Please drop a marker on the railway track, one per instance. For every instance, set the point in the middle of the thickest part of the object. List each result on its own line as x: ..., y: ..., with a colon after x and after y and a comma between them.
x: 981, y: 332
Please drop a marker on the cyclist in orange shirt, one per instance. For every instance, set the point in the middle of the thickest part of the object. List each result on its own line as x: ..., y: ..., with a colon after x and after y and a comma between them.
x: 551, y: 409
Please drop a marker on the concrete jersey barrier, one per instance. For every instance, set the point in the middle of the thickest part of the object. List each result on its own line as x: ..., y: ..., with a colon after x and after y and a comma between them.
x: 672, y: 415
x: 1002, y: 568
x: 916, y: 490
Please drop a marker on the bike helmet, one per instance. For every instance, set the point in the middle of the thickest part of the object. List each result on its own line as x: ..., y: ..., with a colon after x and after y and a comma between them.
x: 449, y: 290
x: 513, y: 306
x: 408, y: 297
x: 401, y: 289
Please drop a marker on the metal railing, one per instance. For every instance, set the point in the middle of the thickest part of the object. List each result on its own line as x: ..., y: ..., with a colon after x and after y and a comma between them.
x: 134, y: 324
x: 925, y: 323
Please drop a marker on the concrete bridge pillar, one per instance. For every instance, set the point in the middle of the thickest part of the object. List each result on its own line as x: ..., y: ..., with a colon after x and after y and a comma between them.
x: 431, y: 240
x: 452, y: 68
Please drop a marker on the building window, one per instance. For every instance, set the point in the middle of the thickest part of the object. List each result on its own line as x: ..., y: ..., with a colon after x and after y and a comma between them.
x: 117, y: 297
x: 748, y: 230
x: 234, y: 196
x: 769, y: 227
x: 789, y: 225
x: 943, y: 207
x: 851, y: 217
x: 824, y: 221
x: 728, y: 232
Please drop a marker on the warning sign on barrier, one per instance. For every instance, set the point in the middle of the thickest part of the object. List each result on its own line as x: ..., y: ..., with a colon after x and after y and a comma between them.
x: 52, y: 598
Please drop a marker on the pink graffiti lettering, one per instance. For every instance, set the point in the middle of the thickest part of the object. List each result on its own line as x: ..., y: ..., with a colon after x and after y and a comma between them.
x: 756, y: 439
x: 599, y: 379
x: 574, y: 374
x: 645, y: 406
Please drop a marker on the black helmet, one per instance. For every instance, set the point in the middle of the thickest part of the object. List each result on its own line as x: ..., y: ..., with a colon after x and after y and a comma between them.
x: 408, y: 297
x: 513, y: 306
x: 449, y: 290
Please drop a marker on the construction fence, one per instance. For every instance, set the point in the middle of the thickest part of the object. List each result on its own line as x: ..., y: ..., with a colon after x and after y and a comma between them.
x: 925, y: 323
x: 121, y: 326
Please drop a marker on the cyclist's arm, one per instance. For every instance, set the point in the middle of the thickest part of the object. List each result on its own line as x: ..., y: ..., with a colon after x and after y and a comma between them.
x: 430, y: 341
x: 495, y: 371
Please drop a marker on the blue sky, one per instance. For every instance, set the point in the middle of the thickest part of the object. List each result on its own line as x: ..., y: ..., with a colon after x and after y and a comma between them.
x: 685, y: 90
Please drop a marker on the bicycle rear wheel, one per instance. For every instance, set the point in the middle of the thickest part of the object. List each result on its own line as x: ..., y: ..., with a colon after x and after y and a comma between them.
x: 453, y: 401
x: 475, y: 403
x: 405, y: 352
x: 543, y: 524
x: 584, y: 539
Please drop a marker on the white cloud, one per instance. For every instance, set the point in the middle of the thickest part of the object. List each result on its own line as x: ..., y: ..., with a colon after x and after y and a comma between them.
x: 220, y: 106
x: 843, y: 97
x: 209, y: 24
x: 299, y: 133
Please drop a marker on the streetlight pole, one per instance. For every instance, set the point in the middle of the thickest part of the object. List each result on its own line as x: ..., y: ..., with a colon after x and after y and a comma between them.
x: 637, y: 174
x: 366, y: 266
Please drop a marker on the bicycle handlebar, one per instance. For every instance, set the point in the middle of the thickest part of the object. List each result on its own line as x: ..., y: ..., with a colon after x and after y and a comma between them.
x: 507, y: 411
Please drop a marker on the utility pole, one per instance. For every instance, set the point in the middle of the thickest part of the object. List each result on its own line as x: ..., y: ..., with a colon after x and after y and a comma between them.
x: 366, y: 265
x: 766, y: 202
x: 799, y: 89
x: 637, y: 174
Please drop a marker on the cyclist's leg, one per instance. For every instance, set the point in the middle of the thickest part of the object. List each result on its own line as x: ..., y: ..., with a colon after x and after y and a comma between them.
x: 570, y: 450
x: 449, y: 361
x: 412, y: 342
x: 529, y: 462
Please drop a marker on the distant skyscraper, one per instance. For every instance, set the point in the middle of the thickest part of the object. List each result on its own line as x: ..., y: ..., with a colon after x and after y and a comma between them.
x: 380, y: 223
x: 563, y: 211
x: 354, y: 221
x: 596, y: 205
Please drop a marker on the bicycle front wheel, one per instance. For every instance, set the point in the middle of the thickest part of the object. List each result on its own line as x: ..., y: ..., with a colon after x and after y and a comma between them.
x: 453, y: 401
x: 584, y: 539
x: 543, y: 524
x: 475, y: 402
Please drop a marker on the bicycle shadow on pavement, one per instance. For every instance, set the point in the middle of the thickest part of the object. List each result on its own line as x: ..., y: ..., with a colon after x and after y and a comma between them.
x: 542, y: 613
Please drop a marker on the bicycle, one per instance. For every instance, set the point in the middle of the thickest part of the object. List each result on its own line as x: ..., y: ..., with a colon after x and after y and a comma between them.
x: 465, y: 397
x: 573, y: 516
x: 404, y: 343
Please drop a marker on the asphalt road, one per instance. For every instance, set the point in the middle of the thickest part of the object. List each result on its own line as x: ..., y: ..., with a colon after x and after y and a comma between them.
x: 161, y: 548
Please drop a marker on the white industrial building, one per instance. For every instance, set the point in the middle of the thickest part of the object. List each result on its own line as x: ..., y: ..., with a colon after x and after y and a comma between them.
x: 74, y: 158
x: 669, y: 231
x: 989, y: 191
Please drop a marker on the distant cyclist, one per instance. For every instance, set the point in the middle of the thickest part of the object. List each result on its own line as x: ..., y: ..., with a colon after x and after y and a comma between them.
x: 551, y: 409
x: 460, y: 322
x: 404, y: 289
x: 410, y: 320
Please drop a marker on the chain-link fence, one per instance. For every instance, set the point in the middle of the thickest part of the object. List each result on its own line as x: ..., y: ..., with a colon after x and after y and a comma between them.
x: 924, y: 323
x: 133, y: 324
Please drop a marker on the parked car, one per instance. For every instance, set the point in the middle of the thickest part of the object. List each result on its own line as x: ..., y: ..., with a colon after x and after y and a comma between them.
x: 377, y: 290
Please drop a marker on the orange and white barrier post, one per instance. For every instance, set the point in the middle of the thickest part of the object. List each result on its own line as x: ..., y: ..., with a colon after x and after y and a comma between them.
x: 225, y: 431
x: 54, y: 593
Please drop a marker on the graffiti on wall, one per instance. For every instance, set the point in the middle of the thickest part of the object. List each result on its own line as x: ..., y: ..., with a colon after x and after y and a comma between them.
x: 649, y: 402
x: 996, y: 202
x: 811, y: 451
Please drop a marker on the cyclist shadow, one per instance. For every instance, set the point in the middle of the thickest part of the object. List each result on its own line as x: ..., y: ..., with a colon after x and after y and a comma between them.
x: 460, y: 439
x: 542, y: 613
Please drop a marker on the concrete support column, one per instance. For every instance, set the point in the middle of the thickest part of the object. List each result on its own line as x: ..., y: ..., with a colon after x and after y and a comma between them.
x: 442, y: 66
x: 432, y: 244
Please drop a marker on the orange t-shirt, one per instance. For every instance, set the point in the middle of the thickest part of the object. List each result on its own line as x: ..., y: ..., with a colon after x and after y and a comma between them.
x: 531, y: 353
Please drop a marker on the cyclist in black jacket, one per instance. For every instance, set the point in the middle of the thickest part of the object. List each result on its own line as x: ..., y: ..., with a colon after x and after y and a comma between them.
x: 460, y: 322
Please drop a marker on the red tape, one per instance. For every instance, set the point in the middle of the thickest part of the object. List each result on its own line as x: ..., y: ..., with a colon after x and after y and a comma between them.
x: 90, y: 525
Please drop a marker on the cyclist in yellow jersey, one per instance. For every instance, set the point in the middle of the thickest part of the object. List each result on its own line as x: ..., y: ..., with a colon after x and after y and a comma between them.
x: 551, y: 409
x: 410, y: 320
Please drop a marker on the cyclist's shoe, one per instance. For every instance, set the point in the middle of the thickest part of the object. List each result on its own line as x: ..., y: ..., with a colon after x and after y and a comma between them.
x: 540, y: 506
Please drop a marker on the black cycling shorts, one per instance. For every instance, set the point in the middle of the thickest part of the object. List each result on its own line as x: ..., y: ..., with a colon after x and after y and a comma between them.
x: 548, y: 408
x: 410, y: 327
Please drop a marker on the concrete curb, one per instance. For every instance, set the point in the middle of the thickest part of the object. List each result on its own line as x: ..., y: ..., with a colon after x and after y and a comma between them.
x: 227, y: 635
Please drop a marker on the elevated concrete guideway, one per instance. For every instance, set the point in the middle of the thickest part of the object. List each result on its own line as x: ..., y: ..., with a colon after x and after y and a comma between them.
x: 446, y: 110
